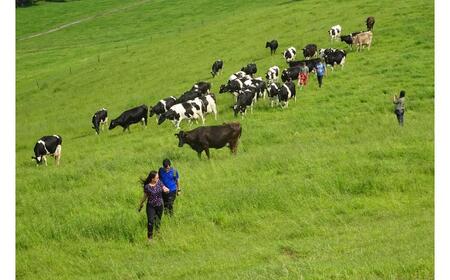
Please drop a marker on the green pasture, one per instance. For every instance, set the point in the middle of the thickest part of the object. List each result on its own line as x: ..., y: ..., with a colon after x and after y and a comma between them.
x: 329, y: 188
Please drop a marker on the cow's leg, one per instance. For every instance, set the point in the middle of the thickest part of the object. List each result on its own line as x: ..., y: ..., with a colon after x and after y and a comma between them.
x: 207, y: 152
x: 215, y: 112
x: 57, y: 154
x: 45, y: 160
x: 199, y: 154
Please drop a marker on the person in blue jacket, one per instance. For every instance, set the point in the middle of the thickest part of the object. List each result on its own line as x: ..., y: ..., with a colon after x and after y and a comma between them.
x: 170, y: 178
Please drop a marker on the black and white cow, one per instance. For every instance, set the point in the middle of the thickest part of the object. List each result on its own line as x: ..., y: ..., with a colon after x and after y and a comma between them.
x: 245, y: 99
x: 162, y: 106
x: 191, y: 110
x: 216, y: 67
x: 202, y: 87
x: 209, y: 105
x: 286, y: 92
x: 258, y: 85
x: 272, y: 92
x: 273, y: 45
x: 188, y: 95
x: 237, y: 75
x: 250, y: 69
x: 273, y: 74
x: 309, y: 51
x: 335, y: 32
x: 99, y: 120
x: 334, y: 57
x: 234, y: 86
x: 131, y: 116
x: 47, y: 145
x: 289, y: 54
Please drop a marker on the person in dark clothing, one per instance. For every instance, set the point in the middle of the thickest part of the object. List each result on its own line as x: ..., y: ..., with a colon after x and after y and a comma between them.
x: 169, y: 176
x: 400, y: 107
x: 153, y: 190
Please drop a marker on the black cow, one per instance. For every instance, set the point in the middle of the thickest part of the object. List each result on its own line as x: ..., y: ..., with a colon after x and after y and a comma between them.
x: 370, y: 21
x: 47, y: 145
x: 309, y: 50
x: 134, y: 115
x: 216, y: 67
x: 335, y: 57
x: 99, y: 119
x: 286, y: 92
x: 273, y: 45
x: 250, y: 69
x: 206, y: 137
x: 162, y: 106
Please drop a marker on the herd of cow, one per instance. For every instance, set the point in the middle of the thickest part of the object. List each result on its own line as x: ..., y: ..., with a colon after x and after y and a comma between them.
x: 199, y: 101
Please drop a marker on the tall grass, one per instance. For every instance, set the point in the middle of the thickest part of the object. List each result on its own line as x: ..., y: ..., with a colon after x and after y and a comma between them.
x: 330, y: 188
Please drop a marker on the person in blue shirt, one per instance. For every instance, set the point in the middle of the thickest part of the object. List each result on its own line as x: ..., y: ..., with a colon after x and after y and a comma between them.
x: 169, y: 176
x: 321, y: 70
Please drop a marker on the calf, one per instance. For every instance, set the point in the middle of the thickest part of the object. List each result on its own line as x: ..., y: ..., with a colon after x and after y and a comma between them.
x: 134, y: 115
x: 99, y: 119
x: 370, y: 21
x: 203, y: 138
x: 47, y: 145
x: 188, y: 110
x: 216, y: 67
x: 273, y: 45
x: 286, y: 92
x: 335, y: 32
x: 250, y: 69
x: 309, y: 51
x: 272, y: 74
x: 363, y: 39
x: 162, y: 106
x: 335, y: 57
x: 290, y: 54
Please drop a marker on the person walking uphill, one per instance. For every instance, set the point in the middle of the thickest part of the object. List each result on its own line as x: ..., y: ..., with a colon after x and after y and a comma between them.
x: 400, y: 107
x: 153, y: 189
x: 303, y: 75
x: 169, y: 176
x: 321, y: 70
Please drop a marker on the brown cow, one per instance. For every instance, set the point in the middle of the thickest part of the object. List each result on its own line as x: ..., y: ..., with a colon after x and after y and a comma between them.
x: 370, y: 21
x: 362, y: 39
x: 202, y: 138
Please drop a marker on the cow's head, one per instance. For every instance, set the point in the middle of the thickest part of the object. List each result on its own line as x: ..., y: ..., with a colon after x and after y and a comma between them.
x: 38, y: 159
x: 181, y: 138
x: 223, y: 88
x: 113, y: 124
x: 267, y: 44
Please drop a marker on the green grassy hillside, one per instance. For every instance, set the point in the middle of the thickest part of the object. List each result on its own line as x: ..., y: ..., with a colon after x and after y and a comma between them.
x: 330, y: 188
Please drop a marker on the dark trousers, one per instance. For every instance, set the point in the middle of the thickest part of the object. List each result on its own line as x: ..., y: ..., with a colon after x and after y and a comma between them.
x: 319, y: 79
x: 169, y: 199
x: 154, y: 215
x: 399, y: 114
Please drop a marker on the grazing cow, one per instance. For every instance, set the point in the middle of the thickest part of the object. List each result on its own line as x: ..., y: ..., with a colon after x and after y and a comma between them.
x: 362, y: 39
x: 258, y: 85
x: 272, y: 74
x: 99, y: 120
x: 273, y: 45
x: 202, y: 87
x: 370, y: 21
x: 335, y: 32
x: 250, y: 69
x: 309, y: 51
x: 190, y: 110
x: 272, y: 91
x: 162, y: 106
x: 233, y: 86
x: 286, y: 92
x: 334, y: 57
x: 188, y: 95
x: 349, y: 38
x: 245, y: 99
x: 216, y: 67
x: 203, y: 138
x: 237, y: 75
x: 290, y: 54
x: 47, y: 145
x: 134, y: 115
